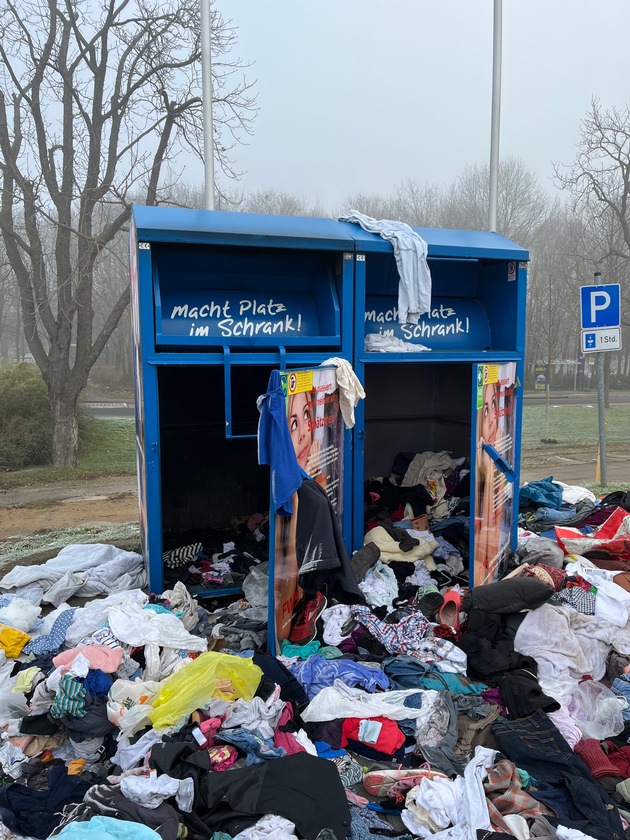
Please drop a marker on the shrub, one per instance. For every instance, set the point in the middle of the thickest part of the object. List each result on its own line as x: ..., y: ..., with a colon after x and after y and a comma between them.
x: 25, y: 428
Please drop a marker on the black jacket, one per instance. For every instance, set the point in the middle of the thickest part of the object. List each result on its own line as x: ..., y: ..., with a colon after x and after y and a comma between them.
x: 303, y: 789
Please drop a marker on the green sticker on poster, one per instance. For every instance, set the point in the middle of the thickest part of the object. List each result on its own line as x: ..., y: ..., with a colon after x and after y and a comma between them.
x: 479, y: 386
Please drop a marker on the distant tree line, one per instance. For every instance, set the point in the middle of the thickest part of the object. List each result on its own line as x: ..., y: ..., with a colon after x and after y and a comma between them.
x: 95, y: 112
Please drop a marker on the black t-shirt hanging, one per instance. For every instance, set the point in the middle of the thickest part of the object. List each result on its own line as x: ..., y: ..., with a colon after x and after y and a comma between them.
x: 321, y: 553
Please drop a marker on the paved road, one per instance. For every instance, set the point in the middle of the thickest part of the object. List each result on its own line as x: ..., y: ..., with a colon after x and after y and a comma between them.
x: 111, y: 410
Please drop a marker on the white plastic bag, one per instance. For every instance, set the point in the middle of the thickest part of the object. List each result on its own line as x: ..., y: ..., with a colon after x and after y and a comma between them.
x: 129, y: 704
x: 380, y: 586
x: 597, y: 712
x: 256, y: 585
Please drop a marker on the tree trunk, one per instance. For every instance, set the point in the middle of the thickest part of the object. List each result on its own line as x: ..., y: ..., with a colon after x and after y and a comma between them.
x: 65, y: 429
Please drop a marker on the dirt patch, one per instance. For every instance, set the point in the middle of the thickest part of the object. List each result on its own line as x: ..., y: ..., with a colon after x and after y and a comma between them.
x: 49, y: 514
x: 575, y: 465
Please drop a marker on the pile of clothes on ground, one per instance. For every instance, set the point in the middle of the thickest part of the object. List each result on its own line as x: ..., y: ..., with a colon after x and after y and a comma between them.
x: 216, y: 559
x: 416, y: 708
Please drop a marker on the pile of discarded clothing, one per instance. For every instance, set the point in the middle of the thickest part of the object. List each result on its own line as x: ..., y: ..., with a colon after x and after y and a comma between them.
x: 414, y: 708
x: 215, y: 559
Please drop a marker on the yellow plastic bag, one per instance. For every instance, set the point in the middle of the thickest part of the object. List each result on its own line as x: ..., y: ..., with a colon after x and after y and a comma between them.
x: 207, y: 677
x: 12, y: 641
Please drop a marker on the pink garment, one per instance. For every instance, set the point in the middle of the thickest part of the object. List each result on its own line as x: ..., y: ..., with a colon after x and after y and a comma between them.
x: 222, y: 757
x: 209, y: 729
x: 104, y: 658
x: 567, y: 726
x: 287, y: 740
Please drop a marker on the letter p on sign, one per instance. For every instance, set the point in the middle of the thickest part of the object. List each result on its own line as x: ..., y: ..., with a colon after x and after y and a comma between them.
x: 600, y: 306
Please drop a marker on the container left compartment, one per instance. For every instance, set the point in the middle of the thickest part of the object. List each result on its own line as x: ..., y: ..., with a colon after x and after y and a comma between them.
x: 214, y: 495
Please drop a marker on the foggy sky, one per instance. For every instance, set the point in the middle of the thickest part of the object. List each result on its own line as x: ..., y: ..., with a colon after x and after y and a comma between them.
x: 357, y: 95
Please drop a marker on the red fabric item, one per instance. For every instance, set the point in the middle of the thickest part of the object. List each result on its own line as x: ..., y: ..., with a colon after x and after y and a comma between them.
x: 286, y: 740
x: 620, y: 758
x: 398, y: 514
x: 610, y: 538
x: 595, y: 758
x: 389, y: 740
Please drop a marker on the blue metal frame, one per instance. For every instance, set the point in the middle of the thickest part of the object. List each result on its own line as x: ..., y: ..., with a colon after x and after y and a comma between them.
x: 456, y: 254
x: 166, y: 226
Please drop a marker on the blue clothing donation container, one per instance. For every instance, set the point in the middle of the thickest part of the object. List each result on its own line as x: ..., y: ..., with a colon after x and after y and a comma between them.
x: 219, y: 300
x: 462, y: 395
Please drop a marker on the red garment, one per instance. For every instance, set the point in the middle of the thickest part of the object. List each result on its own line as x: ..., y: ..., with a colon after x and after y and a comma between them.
x: 592, y: 754
x: 285, y: 739
x: 390, y: 738
x: 620, y: 757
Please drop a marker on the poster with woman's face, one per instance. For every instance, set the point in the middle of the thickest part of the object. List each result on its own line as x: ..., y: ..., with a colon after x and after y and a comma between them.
x: 494, y: 494
x: 316, y: 427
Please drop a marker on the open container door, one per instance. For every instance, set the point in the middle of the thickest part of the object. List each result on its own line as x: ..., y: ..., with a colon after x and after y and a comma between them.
x: 495, y: 444
x: 300, y: 544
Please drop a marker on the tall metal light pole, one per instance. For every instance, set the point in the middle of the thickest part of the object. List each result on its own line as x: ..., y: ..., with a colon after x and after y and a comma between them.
x: 496, y: 115
x: 206, y: 95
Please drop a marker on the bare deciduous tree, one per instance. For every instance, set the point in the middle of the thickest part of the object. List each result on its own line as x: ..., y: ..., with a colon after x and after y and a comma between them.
x: 96, y: 103
x: 522, y: 204
x: 598, y: 182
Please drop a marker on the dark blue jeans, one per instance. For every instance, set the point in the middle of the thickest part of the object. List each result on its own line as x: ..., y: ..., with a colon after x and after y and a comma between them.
x: 536, y: 745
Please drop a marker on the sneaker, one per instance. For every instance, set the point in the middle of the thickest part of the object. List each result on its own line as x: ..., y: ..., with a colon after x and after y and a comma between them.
x: 380, y: 782
x: 400, y: 788
x: 304, y: 627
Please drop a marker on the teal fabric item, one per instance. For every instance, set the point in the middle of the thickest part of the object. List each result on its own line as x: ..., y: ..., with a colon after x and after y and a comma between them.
x: 69, y: 700
x: 450, y: 682
x: 301, y: 651
x: 158, y: 608
x: 107, y: 828
x: 330, y: 652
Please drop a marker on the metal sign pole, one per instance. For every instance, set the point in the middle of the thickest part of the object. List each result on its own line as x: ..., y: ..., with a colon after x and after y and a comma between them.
x: 601, y: 406
x: 601, y: 416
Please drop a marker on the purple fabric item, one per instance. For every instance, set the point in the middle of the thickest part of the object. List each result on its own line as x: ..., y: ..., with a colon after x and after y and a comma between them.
x: 493, y: 695
x: 349, y: 645
x: 598, y: 517
x: 316, y: 673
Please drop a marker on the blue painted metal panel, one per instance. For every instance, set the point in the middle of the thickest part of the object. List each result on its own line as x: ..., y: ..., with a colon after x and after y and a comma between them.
x: 438, y: 356
x: 358, y: 433
x: 473, y: 473
x: 231, y: 315
x: 245, y: 297
x: 452, y: 323
x: 442, y: 242
x: 168, y: 224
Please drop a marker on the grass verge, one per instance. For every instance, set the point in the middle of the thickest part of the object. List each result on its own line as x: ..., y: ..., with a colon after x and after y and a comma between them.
x: 109, y: 449
x: 574, y: 425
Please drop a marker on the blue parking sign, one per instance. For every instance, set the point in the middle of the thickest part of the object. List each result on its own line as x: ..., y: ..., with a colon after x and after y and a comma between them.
x: 600, y: 306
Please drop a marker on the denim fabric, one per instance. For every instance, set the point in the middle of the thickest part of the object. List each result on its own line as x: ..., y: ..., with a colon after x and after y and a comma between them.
x: 621, y: 687
x: 545, y: 514
x: 542, y: 493
x: 555, y: 798
x: 536, y: 745
x: 250, y: 741
x: 404, y: 671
